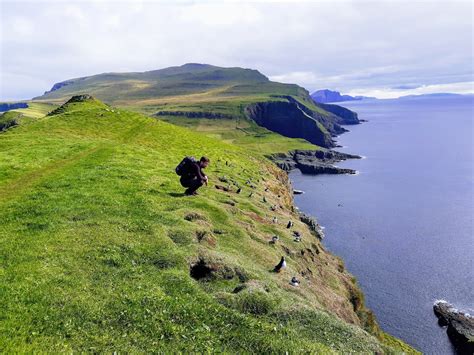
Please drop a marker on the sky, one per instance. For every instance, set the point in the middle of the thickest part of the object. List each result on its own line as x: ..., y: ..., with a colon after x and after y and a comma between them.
x: 374, y: 48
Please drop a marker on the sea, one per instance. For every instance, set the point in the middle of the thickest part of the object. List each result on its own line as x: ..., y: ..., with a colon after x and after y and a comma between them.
x: 404, y: 223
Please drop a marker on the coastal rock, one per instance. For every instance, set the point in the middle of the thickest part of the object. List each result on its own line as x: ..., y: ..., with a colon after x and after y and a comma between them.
x: 317, y: 169
x: 313, y: 162
x: 313, y: 225
x: 460, y: 326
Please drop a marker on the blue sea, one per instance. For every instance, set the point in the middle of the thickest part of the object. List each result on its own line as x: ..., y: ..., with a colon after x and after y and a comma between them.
x: 404, y: 223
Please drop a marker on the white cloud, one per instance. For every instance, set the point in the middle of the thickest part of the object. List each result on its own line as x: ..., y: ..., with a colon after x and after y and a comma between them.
x: 295, y: 77
x: 21, y: 26
x: 220, y: 14
x: 345, y: 45
x: 388, y: 93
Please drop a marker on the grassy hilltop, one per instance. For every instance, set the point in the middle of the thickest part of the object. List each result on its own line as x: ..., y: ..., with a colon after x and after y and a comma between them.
x: 100, y: 250
x: 228, y: 96
x: 175, y: 87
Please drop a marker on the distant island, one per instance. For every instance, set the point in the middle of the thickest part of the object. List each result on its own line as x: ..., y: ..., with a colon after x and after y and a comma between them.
x: 325, y: 96
x: 434, y: 95
x: 329, y: 96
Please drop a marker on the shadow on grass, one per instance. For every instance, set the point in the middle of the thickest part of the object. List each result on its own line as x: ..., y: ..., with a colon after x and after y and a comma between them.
x: 177, y: 194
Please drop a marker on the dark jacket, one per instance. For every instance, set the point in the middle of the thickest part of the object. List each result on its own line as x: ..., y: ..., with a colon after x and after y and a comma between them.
x: 195, y: 171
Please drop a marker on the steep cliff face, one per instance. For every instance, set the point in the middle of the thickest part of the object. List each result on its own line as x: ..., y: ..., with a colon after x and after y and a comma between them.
x: 329, y: 119
x: 343, y: 115
x: 289, y: 120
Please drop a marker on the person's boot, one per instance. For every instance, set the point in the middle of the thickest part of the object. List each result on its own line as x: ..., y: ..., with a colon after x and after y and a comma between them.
x: 188, y: 192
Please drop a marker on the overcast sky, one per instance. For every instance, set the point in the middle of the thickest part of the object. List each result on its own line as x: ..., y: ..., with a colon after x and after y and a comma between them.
x: 378, y: 48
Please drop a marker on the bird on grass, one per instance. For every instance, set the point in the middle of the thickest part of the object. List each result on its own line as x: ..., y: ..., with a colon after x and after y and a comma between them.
x: 275, y: 239
x: 297, y: 236
x: 289, y: 225
x: 280, y: 265
x: 294, y: 281
x: 239, y: 190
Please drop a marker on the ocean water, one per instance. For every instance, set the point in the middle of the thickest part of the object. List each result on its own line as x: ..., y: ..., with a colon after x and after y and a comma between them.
x: 404, y: 223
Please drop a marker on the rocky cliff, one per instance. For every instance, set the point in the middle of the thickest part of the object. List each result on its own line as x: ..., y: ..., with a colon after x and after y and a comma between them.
x: 289, y: 120
x: 460, y: 326
x: 343, y: 115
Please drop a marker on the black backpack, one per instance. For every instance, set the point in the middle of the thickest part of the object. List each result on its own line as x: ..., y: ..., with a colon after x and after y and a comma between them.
x: 183, y: 168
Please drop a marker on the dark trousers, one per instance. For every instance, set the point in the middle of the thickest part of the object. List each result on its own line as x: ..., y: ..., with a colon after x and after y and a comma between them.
x: 192, y: 183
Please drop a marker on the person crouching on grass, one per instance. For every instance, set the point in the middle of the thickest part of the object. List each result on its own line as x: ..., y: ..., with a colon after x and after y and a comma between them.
x: 193, y: 177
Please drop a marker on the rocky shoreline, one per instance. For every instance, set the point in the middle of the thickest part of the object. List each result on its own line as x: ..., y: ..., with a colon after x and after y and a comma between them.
x: 313, y: 162
x: 460, y: 326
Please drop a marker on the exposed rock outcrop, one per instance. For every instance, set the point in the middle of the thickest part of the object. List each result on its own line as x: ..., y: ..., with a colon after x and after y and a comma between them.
x: 313, y: 225
x: 313, y: 162
x: 80, y: 98
x: 7, y: 106
x: 460, y: 326
x: 73, y: 99
x: 9, y: 119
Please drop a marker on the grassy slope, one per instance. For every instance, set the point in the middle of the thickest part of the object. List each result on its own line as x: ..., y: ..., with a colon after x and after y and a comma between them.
x: 242, y: 132
x: 191, y: 87
x: 35, y: 109
x: 27, y: 115
x: 95, y: 248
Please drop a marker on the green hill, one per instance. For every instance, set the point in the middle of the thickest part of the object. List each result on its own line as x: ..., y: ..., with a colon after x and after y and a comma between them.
x: 100, y: 251
x: 201, y: 90
x: 188, y: 79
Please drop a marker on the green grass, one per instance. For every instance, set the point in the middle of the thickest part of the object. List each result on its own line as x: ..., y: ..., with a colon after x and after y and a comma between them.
x: 97, y: 242
x: 242, y: 132
x: 35, y: 109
